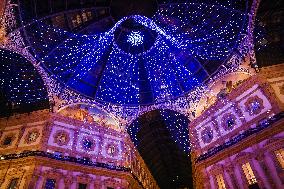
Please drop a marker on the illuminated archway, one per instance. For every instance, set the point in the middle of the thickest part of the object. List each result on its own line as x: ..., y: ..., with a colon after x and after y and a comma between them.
x: 162, y: 139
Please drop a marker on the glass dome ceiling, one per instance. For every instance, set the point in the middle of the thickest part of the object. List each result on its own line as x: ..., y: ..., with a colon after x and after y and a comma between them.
x: 143, y: 60
x: 22, y: 88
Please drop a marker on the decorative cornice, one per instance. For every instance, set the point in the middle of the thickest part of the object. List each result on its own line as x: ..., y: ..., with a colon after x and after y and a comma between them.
x: 70, y: 159
x: 237, y: 139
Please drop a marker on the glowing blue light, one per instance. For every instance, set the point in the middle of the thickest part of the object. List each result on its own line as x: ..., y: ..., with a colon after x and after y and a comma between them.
x: 135, y: 38
x: 177, y: 50
x: 175, y: 122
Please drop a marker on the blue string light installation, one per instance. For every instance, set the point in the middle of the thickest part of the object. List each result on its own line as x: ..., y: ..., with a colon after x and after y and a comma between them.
x: 178, y: 127
x: 135, y: 38
x: 141, y: 60
x: 87, y: 144
x: 260, y: 36
x: 175, y: 123
x: 21, y: 87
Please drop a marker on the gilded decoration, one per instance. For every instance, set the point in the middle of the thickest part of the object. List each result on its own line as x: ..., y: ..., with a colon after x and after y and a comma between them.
x: 111, y: 182
x: 228, y: 121
x: 3, y: 36
x: 112, y: 149
x: 61, y: 137
x: 54, y: 175
x: 254, y: 105
x: 8, y: 140
x: 207, y: 134
x: 281, y: 89
x: 17, y: 172
x: 32, y: 136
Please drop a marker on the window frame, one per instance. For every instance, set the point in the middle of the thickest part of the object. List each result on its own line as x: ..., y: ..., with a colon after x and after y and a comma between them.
x: 45, y: 180
x: 17, y: 183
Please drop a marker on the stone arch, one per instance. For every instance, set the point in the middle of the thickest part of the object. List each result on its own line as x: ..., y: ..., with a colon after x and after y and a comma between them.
x: 161, y: 136
x: 164, y: 106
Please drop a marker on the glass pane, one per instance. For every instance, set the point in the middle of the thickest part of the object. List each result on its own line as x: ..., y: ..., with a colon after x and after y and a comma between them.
x: 254, y: 186
x: 50, y: 184
x: 7, y: 141
x: 13, y: 183
x: 82, y: 186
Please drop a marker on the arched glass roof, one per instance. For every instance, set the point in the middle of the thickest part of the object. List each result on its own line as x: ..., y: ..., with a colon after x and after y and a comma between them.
x: 142, y: 60
x: 21, y: 87
x: 162, y: 139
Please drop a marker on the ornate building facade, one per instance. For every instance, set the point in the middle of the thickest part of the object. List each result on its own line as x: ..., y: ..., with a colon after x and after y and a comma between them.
x: 43, y: 149
x: 238, y: 141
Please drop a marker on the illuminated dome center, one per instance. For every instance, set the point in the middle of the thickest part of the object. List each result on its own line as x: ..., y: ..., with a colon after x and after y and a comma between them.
x: 135, y: 38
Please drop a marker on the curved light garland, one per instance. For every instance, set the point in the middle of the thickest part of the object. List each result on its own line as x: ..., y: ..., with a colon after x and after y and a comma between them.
x: 170, y: 40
